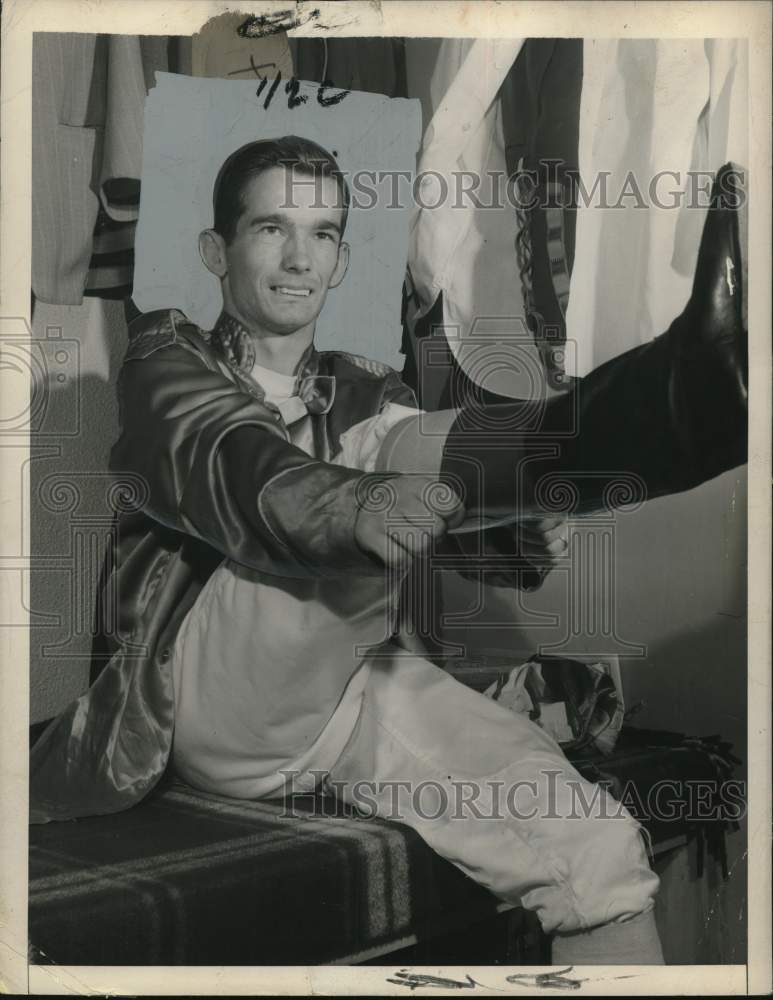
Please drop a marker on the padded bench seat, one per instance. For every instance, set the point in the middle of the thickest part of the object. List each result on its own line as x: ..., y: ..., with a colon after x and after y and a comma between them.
x: 191, y: 878
x: 197, y: 879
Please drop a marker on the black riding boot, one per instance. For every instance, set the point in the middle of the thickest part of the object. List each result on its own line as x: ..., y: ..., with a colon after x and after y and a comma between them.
x: 660, y: 419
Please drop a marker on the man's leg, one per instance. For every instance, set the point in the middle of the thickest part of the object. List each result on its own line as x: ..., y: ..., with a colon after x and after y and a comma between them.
x: 266, y: 677
x: 628, y: 942
x: 493, y: 793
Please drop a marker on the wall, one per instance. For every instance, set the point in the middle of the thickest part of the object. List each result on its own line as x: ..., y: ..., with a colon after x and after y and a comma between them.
x: 678, y: 591
x: 67, y: 484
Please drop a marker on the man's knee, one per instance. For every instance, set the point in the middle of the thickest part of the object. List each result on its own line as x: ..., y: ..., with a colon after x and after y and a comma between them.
x: 611, y: 873
x: 597, y: 853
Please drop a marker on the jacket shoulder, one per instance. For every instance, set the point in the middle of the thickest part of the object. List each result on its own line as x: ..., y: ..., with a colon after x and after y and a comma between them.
x: 375, y: 377
x: 153, y: 331
x: 376, y: 369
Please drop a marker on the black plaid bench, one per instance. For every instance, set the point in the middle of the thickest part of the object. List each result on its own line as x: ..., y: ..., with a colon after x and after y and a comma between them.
x: 196, y: 879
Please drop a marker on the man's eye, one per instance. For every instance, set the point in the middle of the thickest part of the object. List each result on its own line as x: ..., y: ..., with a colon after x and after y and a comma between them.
x: 324, y: 235
x: 270, y: 230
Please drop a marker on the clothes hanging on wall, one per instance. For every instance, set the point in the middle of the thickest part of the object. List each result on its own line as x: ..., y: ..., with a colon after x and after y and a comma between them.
x: 540, y: 99
x: 459, y: 137
x: 457, y: 248
x: 509, y: 108
x: 651, y: 111
x: 67, y: 112
x: 88, y: 93
x: 721, y: 135
x: 111, y: 265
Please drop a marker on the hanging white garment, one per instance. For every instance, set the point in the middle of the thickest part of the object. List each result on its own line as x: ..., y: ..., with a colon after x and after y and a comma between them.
x: 651, y: 112
x: 467, y: 253
x: 721, y: 134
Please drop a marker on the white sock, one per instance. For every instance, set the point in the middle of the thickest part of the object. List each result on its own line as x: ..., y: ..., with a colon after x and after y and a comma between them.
x: 628, y: 942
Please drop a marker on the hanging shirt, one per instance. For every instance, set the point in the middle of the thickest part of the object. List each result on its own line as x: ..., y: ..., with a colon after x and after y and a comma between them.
x: 460, y: 251
x: 651, y: 111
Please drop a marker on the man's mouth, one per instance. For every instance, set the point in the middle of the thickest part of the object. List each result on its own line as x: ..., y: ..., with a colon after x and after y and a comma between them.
x: 298, y: 293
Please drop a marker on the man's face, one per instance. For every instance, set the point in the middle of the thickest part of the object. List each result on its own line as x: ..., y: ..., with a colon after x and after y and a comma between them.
x: 282, y: 260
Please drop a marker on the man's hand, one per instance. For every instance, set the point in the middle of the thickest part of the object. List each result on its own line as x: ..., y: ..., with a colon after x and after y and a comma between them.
x: 402, y: 516
x: 543, y: 542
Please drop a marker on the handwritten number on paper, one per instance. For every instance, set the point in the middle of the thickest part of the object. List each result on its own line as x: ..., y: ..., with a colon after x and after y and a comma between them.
x: 294, y: 97
x: 328, y: 102
x: 272, y: 89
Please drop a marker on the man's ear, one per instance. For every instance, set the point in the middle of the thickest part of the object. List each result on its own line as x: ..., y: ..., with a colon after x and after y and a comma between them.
x: 341, y: 265
x: 212, y: 250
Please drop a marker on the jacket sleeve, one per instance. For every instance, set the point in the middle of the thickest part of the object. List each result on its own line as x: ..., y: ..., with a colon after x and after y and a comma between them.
x: 217, y: 465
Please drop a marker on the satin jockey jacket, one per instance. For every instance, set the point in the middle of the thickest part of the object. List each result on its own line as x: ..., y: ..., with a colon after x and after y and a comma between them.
x: 208, y: 473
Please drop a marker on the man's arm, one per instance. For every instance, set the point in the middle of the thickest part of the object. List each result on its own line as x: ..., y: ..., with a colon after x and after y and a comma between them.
x: 212, y: 457
x: 218, y: 465
x: 530, y: 550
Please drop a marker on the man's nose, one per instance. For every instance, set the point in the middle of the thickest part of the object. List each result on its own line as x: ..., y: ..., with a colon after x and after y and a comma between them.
x: 296, y: 255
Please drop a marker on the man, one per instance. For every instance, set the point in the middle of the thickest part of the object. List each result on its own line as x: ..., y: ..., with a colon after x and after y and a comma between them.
x: 258, y: 570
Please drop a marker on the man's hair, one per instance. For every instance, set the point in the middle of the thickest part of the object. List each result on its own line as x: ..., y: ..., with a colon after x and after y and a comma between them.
x: 291, y: 152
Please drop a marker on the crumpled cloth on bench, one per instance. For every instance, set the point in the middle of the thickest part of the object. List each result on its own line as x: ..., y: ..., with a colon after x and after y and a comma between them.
x: 579, y: 703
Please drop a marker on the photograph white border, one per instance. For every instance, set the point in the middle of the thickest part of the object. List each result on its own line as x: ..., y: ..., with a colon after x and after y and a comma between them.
x: 20, y: 18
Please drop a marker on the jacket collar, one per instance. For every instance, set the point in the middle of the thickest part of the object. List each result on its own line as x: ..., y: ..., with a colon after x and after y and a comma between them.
x: 314, y: 393
x: 233, y: 340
